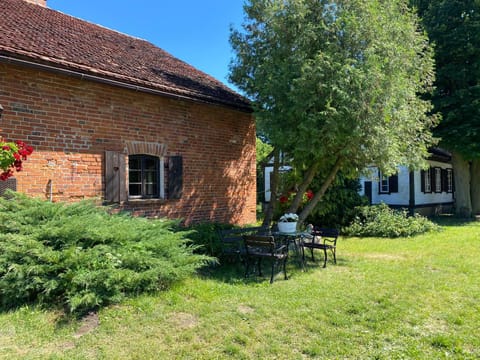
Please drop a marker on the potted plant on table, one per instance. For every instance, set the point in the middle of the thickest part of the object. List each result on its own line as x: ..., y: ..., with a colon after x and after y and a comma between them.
x: 288, y: 223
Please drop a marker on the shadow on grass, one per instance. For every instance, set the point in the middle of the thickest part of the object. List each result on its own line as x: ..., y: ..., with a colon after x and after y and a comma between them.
x: 451, y: 220
x: 234, y: 272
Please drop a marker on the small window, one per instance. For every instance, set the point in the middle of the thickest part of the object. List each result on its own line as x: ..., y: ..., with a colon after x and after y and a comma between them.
x: 449, y: 181
x: 426, y: 181
x: 438, y: 180
x: 388, y: 184
x: 143, y: 176
x: 384, y: 184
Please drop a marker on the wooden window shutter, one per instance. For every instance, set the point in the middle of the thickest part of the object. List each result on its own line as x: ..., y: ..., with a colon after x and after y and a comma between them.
x: 175, y: 177
x: 432, y: 179
x: 453, y: 180
x: 422, y: 180
x: 444, y: 180
x: 115, y: 186
x: 393, y: 183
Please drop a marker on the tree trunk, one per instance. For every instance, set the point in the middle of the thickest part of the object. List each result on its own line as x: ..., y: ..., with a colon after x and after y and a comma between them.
x: 461, y: 171
x: 475, y: 186
x: 270, y: 209
x: 319, y: 195
x: 302, y: 188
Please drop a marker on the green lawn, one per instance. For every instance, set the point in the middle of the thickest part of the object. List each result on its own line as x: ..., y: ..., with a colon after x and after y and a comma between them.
x: 415, y: 298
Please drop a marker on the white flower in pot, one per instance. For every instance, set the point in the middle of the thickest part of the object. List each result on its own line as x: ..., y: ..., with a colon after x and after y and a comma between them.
x: 288, y: 223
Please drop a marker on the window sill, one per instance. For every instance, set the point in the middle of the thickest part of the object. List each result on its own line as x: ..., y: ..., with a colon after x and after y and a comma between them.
x: 145, y: 201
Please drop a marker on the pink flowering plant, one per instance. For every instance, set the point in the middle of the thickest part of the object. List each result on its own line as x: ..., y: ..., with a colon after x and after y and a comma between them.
x: 12, y: 154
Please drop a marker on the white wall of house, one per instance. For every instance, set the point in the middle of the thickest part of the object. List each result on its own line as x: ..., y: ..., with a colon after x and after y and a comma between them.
x: 402, y: 197
x: 433, y: 197
x: 268, y: 175
x: 399, y: 198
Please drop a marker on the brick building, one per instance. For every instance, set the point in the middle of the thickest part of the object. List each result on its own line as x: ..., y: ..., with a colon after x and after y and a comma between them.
x: 115, y: 118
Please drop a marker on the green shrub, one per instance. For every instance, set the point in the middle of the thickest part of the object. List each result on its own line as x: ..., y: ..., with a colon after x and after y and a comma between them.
x: 382, y: 221
x: 81, y: 257
x: 337, y: 208
x: 206, y: 237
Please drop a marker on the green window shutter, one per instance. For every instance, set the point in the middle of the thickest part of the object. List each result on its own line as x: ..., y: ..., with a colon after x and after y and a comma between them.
x: 175, y: 177
x: 115, y: 186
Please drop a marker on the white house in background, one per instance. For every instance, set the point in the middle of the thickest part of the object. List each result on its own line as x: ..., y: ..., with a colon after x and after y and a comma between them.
x: 268, y: 174
x: 427, y: 192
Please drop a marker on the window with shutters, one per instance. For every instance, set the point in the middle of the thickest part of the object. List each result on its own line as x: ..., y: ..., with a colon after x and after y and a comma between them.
x: 145, y: 180
x: 142, y: 176
x: 388, y: 184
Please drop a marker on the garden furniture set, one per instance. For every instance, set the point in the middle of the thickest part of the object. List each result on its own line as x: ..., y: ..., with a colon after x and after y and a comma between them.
x: 251, y: 245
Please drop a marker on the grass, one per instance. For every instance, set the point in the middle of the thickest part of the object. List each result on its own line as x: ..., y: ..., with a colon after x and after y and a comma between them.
x: 413, y: 298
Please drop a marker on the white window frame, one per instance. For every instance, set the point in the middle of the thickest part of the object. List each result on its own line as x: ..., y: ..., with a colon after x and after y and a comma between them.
x: 427, y: 182
x: 384, y: 184
x: 438, y: 179
x: 450, y: 180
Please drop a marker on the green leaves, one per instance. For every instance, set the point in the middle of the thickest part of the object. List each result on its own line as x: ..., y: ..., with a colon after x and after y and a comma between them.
x: 337, y: 80
x: 332, y: 77
x: 382, y: 221
x: 454, y: 27
x: 80, y: 257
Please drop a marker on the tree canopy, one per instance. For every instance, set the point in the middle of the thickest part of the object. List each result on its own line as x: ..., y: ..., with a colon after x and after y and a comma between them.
x: 337, y: 84
x: 453, y: 27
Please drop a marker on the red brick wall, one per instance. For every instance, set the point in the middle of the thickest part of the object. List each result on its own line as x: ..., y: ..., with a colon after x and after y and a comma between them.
x: 72, y: 122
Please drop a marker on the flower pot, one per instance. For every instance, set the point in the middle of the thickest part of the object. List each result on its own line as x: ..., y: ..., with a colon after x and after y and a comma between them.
x: 287, y: 227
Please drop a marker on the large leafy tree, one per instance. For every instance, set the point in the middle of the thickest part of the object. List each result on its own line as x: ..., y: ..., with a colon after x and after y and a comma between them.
x: 336, y: 84
x: 454, y: 27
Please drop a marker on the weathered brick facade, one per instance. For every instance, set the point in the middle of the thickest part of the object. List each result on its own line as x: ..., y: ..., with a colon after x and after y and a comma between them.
x: 72, y: 122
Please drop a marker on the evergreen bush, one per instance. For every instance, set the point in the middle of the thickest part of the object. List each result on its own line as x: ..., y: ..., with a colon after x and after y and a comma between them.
x: 382, y: 221
x: 206, y: 237
x: 81, y: 257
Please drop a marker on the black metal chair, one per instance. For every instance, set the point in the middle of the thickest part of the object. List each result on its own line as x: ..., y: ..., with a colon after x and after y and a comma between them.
x: 232, y: 247
x: 321, y: 239
x: 258, y: 247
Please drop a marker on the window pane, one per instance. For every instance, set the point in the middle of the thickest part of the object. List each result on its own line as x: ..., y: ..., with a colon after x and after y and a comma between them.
x: 135, y: 189
x: 135, y: 176
x: 150, y: 177
x: 134, y: 163
x: 151, y: 164
x: 151, y: 189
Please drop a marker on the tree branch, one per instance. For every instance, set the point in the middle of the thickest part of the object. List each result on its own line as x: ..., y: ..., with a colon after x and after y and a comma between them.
x: 319, y: 195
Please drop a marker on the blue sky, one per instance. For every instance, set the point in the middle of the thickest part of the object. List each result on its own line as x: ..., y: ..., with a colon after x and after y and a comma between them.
x: 195, y: 31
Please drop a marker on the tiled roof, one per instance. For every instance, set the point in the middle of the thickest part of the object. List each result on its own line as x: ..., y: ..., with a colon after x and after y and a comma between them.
x: 42, y: 35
